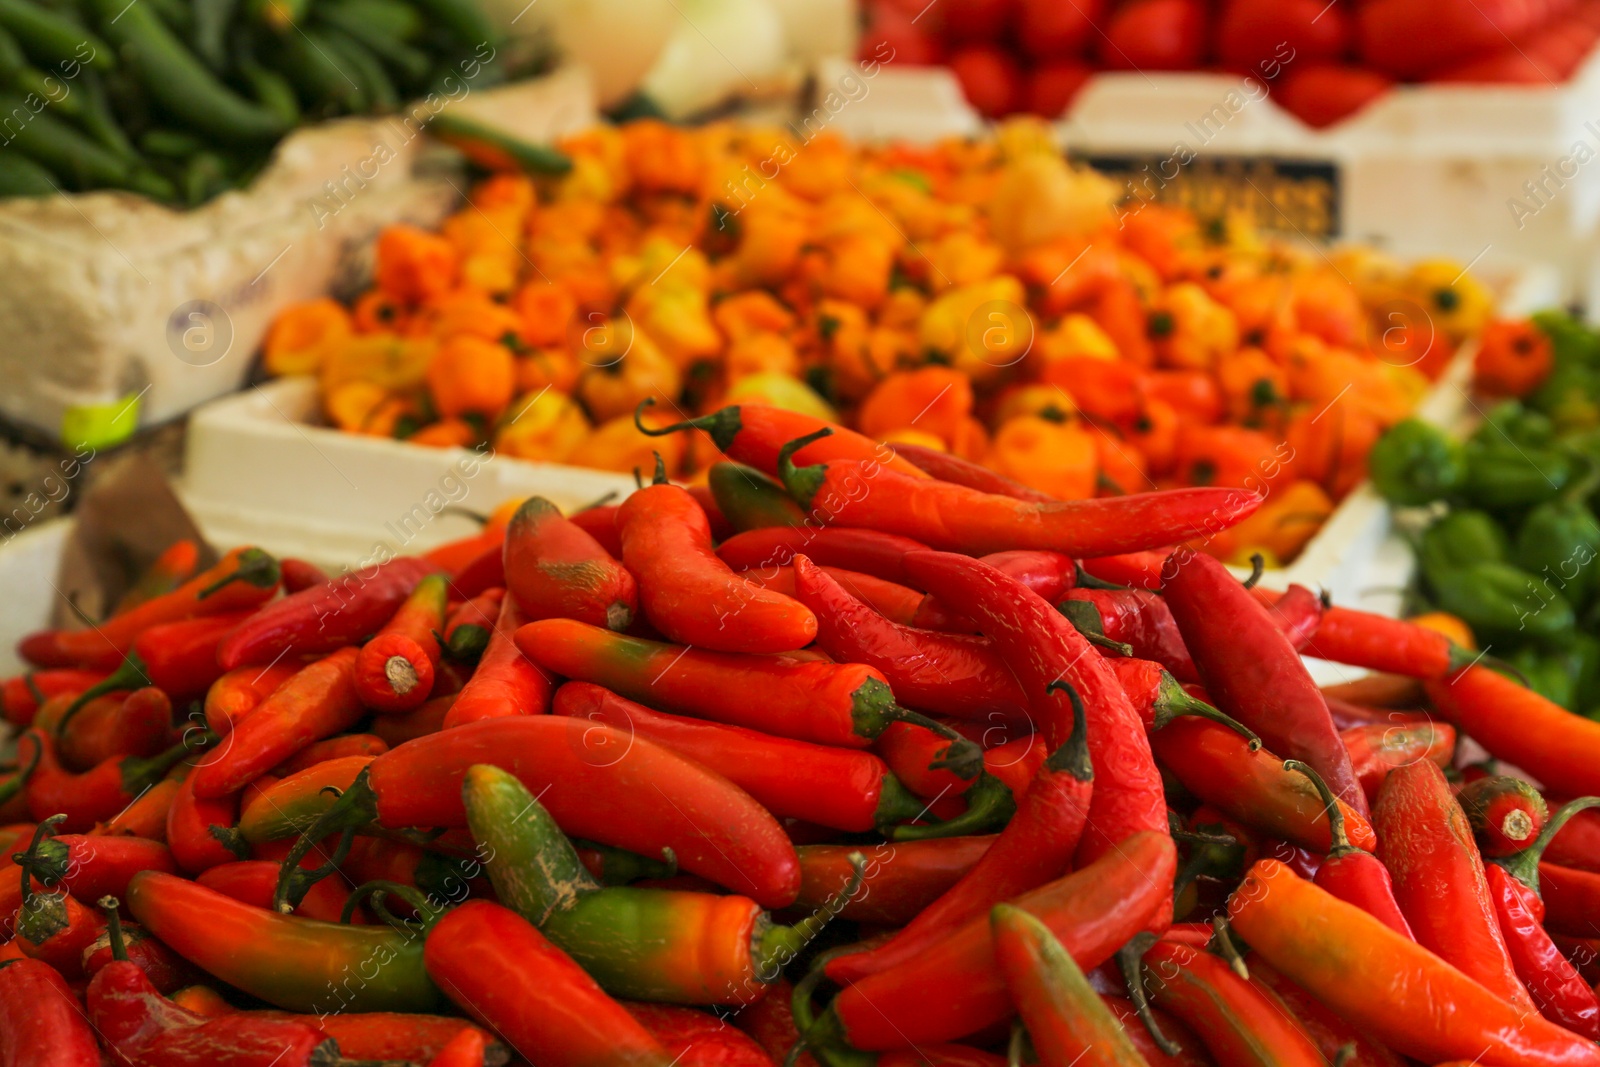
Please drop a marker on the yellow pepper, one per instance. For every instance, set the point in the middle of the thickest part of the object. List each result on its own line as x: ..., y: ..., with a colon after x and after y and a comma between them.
x: 781, y: 391
x: 546, y: 427
x: 1281, y: 528
x: 1076, y: 335
x: 617, y: 445
x: 961, y: 258
x: 679, y: 320
x: 388, y: 360
x: 303, y: 334
x: 351, y: 405
x: 980, y: 329
x: 1046, y: 401
x: 752, y: 311
x: 618, y: 378
x: 760, y: 352
x: 858, y: 270
x: 1458, y: 303
x: 1191, y: 330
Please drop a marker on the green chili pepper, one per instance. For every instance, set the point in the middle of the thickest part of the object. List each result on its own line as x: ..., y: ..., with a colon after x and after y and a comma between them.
x: 1504, y: 603
x: 1559, y: 541
x: 1510, y: 477
x: 21, y: 176
x: 52, y: 38
x: 1459, y: 539
x: 1416, y: 463
x: 749, y: 499
x: 47, y: 140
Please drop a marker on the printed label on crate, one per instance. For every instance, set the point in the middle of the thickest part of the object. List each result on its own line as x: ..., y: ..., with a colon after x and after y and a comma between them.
x: 1285, y: 195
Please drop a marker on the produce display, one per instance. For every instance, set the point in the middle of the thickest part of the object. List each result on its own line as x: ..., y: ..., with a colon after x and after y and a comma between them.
x: 1012, y: 761
x: 978, y: 302
x: 182, y: 101
x: 1322, y: 62
x: 1512, y: 535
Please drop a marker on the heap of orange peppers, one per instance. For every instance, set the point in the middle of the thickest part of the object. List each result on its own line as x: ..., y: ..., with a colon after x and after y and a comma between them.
x: 983, y: 298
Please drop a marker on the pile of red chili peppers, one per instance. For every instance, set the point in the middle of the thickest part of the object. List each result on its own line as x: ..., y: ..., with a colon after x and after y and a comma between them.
x: 842, y: 763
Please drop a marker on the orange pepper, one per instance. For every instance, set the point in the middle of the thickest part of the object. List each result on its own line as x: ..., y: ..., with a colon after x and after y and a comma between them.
x: 1155, y: 434
x: 469, y: 375
x: 772, y: 233
x: 546, y: 312
x: 1327, y: 306
x: 546, y: 427
x: 663, y: 158
x: 1053, y: 457
x: 1120, y: 312
x: 1229, y: 456
x: 490, y: 252
x: 1290, y: 517
x: 1330, y: 445
x: 1259, y: 301
x: 1066, y: 276
x: 547, y: 368
x: 1168, y: 238
x: 1190, y: 330
x: 858, y: 269
x: 1123, y: 468
x: 617, y: 445
x: 446, y: 433
x: 376, y: 311
x: 761, y: 352
x: 1194, y: 395
x: 1104, y: 389
x: 351, y: 405
x: 468, y: 311
x: 909, y: 436
x: 1449, y: 625
x: 1252, y: 385
x: 1337, y: 376
x: 1047, y: 401
x: 611, y: 386
x: 413, y: 264
x: 302, y: 335
x: 752, y: 311
x: 1514, y: 357
x: 844, y: 339
x: 398, y: 364
x: 933, y: 399
x: 970, y: 440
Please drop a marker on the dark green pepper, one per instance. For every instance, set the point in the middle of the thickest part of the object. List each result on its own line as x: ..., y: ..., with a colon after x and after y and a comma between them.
x: 1546, y: 675
x: 749, y: 499
x: 1568, y: 396
x: 1459, y: 539
x: 1571, y: 340
x: 1581, y: 652
x: 1509, y: 422
x: 1559, y: 541
x: 1501, y: 602
x: 1416, y: 463
x: 1509, y: 477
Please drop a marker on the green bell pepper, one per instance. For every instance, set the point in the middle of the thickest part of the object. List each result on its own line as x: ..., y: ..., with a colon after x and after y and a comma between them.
x: 1504, y: 603
x: 1559, y: 541
x: 1460, y: 539
x: 1416, y: 463
x: 1571, y: 339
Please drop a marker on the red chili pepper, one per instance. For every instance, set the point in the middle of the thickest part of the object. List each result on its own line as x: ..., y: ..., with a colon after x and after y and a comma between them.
x: 1577, y: 842
x: 688, y: 593
x: 1348, y: 715
x: 600, y: 523
x: 243, y: 579
x: 52, y: 926
x: 1253, y: 672
x: 955, y: 987
x: 326, y: 617
x: 391, y: 1035
x: 1426, y: 843
x: 90, y: 866
x: 1157, y: 697
x: 1135, y: 618
x: 1066, y: 1020
x: 139, y: 724
x: 1571, y: 900
x: 1515, y: 724
x: 299, y: 574
x: 1354, y: 875
x: 1331, y: 1034
x: 451, y: 556
x: 936, y: 771
x: 96, y: 794
x: 41, y: 1024
x: 252, y: 882
x: 887, y: 600
x: 276, y: 808
x: 770, y: 1021
x: 422, y: 616
x: 1050, y: 574
x: 1035, y: 847
x: 471, y: 623
x: 506, y: 683
x: 954, y: 518
x: 861, y: 792
x: 1239, y: 1024
x: 1559, y: 991
x: 1507, y: 814
x: 1191, y: 1052
x: 486, y: 570
x: 393, y: 674
x: 1137, y: 570
x: 1376, y: 749
x: 428, y: 719
x: 755, y: 434
x: 1394, y: 646
x: 334, y: 748
x: 555, y: 569
x: 318, y: 702
x: 901, y: 877
x: 22, y: 696
x: 1217, y: 765
x: 845, y: 704
x: 1386, y: 986
x: 503, y: 972
x: 598, y: 783
x: 195, y: 845
x: 863, y: 551
x: 146, y: 815
x: 166, y: 969
x: 948, y: 467
x: 238, y: 693
x: 1042, y: 648
x: 175, y: 565
x: 696, y: 1038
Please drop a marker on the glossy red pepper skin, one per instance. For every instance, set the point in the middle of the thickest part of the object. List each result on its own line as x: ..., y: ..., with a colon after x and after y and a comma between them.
x: 688, y: 593
x: 1254, y: 673
x: 181, y: 657
x: 323, y: 618
x: 600, y: 523
x: 1426, y: 843
x: 41, y: 1024
x: 1327, y: 1031
x: 1142, y: 620
x: 1353, y: 874
x: 393, y: 674
x: 902, y: 877
x: 1137, y: 570
x: 189, y: 821
x: 318, y: 702
x: 952, y: 468
x: 238, y: 693
x: 1050, y: 574
x: 865, y: 551
x: 54, y: 928
x: 1571, y: 900
x: 1393, y: 646
x: 1035, y: 847
x: 1576, y: 844
x: 556, y: 569
x: 1217, y: 765
x: 391, y: 1035
x: 955, y: 987
x: 175, y: 565
x: 770, y: 1021
x: 506, y: 682
x: 807, y: 700
x: 888, y: 600
x: 780, y: 773
x: 1239, y: 1024
x: 252, y: 882
x: 241, y: 580
x: 503, y: 972
x: 1042, y: 647
x: 486, y: 570
x: 1560, y: 992
x: 696, y: 1038
x: 299, y: 574
x: 139, y: 724
x: 1560, y: 749
x: 166, y: 970
x: 21, y: 696
x: 1376, y: 749
x: 342, y: 747
x: 91, y: 866
x: 96, y: 794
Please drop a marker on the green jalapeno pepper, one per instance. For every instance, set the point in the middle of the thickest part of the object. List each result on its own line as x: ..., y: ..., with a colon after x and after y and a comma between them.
x: 1510, y: 477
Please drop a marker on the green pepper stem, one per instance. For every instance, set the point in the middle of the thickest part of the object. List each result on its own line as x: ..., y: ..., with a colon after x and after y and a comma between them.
x: 131, y: 673
x: 19, y: 778
x: 1330, y: 803
x: 802, y: 483
x: 618, y: 866
x: 113, y: 909
x: 990, y: 806
x: 428, y: 911
x: 1524, y: 865
x: 599, y: 501
x: 778, y: 945
x: 26, y: 860
x: 356, y: 808
x: 139, y: 773
x: 660, y: 476
x: 1222, y: 940
x: 1085, y: 580
x: 255, y: 567
x: 1130, y: 960
x: 1018, y: 1043
x: 1172, y: 701
x: 896, y: 804
x: 1072, y: 755
x: 1258, y: 567
x: 823, y: 1035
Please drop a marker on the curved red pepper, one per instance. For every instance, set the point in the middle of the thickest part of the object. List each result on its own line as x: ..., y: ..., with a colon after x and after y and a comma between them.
x: 688, y: 593
x: 1554, y: 983
x: 755, y: 434
x: 1507, y: 814
x: 1191, y: 1052
x: 300, y: 574
x: 325, y: 617
x: 41, y: 1024
x: 238, y: 693
x: 1560, y: 749
x: 949, y: 777
x: 888, y: 600
x: 1253, y: 672
x: 21, y: 696
x: 334, y: 748
x: 1393, y: 646
x: 393, y: 674
x: 138, y: 724
x: 1137, y: 570
x: 864, y: 551
x: 1426, y: 843
x: 1331, y: 1034
x: 1140, y: 620
x: 486, y: 570
x: 697, y: 1038
x: 948, y: 467
x: 1577, y: 842
x: 503, y: 972
x: 555, y: 569
x: 1376, y: 749
x: 405, y: 1036
x: 505, y: 683
x: 94, y: 795
x: 422, y: 616
x: 954, y: 518
x: 91, y: 866
x: 861, y: 793
x: 600, y: 523
x: 175, y: 564
x: 1050, y: 574
x: 1352, y: 874
x: 190, y: 819
x: 1043, y: 648
x: 318, y: 702
x: 471, y: 623
x: 902, y: 877
x: 1571, y: 900
x: 1240, y: 1025
x: 1036, y: 846
x: 166, y: 970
